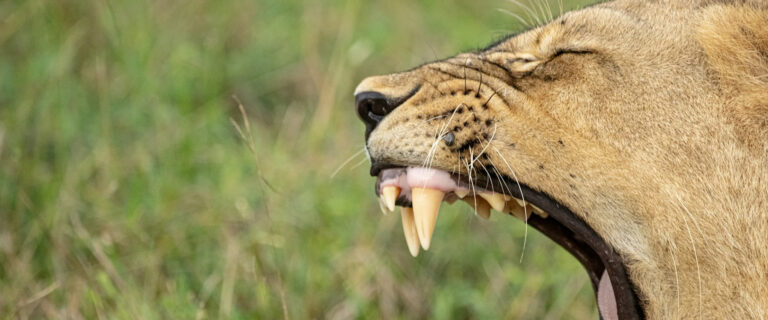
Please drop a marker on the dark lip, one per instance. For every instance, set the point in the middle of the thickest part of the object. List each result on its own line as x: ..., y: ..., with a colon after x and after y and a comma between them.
x: 570, y: 232
x: 376, y: 168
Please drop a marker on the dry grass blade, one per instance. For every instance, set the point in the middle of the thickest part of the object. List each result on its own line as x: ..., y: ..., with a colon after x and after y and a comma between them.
x: 247, y: 136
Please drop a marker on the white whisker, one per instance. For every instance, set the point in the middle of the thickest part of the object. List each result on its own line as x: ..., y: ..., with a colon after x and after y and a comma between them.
x: 495, y: 126
x: 677, y: 279
x: 695, y: 254
x: 439, y: 136
x: 518, y: 17
x: 472, y: 186
x: 347, y: 162
x: 540, y: 10
x: 358, y: 164
x: 528, y: 9
x: 489, y: 176
x: 522, y: 197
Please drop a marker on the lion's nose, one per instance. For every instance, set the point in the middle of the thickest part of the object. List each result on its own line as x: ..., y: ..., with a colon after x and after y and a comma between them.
x: 376, y: 97
x: 372, y: 107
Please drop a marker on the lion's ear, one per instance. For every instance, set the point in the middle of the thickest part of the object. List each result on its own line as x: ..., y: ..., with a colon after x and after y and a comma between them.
x: 735, y: 41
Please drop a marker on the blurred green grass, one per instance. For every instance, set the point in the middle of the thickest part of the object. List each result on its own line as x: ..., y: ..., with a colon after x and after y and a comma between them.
x: 126, y: 191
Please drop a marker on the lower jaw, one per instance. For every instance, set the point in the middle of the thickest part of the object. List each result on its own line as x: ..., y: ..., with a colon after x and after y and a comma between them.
x: 614, y: 291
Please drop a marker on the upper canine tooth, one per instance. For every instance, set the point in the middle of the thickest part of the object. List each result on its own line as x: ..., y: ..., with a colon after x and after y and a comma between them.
x: 409, y: 230
x: 496, y: 200
x: 482, y: 208
x: 390, y: 194
x: 426, y: 206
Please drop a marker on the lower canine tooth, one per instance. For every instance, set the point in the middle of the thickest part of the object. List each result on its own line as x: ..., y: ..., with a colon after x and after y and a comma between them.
x: 390, y: 194
x: 426, y: 206
x: 409, y: 230
x: 482, y: 208
x: 496, y: 200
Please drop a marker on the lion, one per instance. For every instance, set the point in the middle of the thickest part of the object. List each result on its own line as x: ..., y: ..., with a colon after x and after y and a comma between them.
x: 633, y: 133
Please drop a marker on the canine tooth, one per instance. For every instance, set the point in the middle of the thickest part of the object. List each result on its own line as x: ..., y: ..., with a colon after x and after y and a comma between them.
x: 390, y: 194
x: 426, y: 206
x: 496, y: 200
x: 482, y: 208
x: 461, y: 192
x: 409, y: 230
x: 538, y: 211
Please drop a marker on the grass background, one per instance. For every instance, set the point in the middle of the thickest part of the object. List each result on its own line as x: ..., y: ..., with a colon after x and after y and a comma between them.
x: 126, y: 191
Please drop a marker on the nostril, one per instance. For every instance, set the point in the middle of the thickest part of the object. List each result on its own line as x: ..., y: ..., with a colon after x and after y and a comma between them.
x: 374, y: 109
x: 377, y: 107
x: 372, y: 106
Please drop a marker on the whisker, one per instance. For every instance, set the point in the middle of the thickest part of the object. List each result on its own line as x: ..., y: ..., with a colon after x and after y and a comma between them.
x: 528, y: 9
x: 440, y: 135
x: 479, y: 85
x: 546, y: 11
x: 539, y: 10
x: 436, y: 117
x: 549, y: 9
x: 501, y: 178
x: 695, y: 254
x: 495, y: 126
x: 347, y: 162
x: 489, y: 99
x: 465, y: 77
x: 472, y: 187
x: 522, y: 197
x: 432, y: 85
x: 677, y: 279
x: 358, y: 164
x: 516, y: 16
x: 487, y: 174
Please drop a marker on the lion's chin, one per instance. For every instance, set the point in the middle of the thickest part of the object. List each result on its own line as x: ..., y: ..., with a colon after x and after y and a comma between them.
x: 420, y: 191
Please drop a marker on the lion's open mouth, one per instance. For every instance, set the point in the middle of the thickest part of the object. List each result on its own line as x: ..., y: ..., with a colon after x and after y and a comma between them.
x: 420, y: 192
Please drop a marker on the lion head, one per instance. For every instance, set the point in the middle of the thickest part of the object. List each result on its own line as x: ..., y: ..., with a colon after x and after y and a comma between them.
x: 633, y: 133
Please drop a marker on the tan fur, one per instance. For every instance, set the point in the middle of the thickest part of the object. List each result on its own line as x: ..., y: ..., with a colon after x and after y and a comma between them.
x: 659, y: 140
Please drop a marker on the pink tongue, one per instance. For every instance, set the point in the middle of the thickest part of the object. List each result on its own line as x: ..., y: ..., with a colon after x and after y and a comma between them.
x: 606, y: 300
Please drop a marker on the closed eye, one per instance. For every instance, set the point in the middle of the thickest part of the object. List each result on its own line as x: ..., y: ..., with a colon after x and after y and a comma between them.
x: 522, y: 60
x: 563, y: 51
